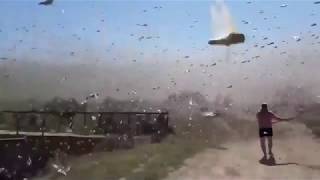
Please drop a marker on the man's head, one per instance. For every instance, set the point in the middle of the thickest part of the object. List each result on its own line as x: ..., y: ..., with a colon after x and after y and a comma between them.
x: 264, y: 107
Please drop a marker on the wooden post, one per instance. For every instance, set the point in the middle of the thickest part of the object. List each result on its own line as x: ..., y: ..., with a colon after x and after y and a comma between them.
x: 84, y: 120
x: 129, y: 119
x: 99, y: 124
x: 59, y: 124
x: 130, y: 125
x: 130, y: 131
x: 109, y: 126
x: 167, y: 121
x: 43, y: 125
x: 17, y: 125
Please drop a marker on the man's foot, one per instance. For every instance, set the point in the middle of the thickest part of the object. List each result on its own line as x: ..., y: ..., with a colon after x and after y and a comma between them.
x: 271, y: 160
x: 263, y: 159
x: 271, y: 154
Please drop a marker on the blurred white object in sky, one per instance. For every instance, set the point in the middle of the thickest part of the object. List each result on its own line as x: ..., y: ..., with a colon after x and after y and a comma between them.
x: 190, y: 102
x: 222, y: 23
x: 297, y: 38
x: 283, y: 5
x: 208, y: 114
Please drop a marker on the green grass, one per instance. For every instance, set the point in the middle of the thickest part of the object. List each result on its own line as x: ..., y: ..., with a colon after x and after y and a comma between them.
x: 146, y: 162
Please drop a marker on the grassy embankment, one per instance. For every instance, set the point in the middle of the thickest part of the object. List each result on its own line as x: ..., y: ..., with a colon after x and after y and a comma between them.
x: 146, y: 162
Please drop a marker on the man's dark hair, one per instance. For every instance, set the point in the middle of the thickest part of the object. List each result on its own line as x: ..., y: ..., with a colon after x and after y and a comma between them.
x: 264, y: 107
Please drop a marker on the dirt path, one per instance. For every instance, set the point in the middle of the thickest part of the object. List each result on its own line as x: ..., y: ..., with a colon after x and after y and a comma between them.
x: 297, y: 157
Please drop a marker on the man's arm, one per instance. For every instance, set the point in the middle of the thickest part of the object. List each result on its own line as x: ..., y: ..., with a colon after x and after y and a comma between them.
x: 276, y: 119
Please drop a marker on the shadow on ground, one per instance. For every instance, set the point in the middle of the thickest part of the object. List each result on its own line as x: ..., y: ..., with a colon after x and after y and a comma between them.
x: 272, y: 162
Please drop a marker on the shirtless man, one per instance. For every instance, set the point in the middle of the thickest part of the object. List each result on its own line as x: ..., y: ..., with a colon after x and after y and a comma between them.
x: 265, y: 121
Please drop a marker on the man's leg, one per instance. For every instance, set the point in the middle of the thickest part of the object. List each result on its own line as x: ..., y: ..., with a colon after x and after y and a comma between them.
x: 270, y: 145
x: 263, y: 146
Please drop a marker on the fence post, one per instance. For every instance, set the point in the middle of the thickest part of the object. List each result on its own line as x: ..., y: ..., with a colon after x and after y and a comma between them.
x: 130, y: 129
x: 99, y: 123
x: 43, y: 126
x: 129, y: 119
x: 17, y: 125
x: 84, y: 119
x: 167, y: 121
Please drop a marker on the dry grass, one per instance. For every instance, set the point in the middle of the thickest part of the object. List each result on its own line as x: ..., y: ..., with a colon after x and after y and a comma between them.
x: 146, y: 162
x: 155, y: 161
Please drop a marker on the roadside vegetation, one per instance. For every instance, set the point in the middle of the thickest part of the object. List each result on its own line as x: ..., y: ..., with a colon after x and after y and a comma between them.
x: 145, y: 162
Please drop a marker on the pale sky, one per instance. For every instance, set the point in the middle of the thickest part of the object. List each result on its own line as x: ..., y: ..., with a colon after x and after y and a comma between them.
x: 150, y: 49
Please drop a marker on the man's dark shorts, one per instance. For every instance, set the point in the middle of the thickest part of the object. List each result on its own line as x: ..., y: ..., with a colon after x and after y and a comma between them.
x: 265, y: 132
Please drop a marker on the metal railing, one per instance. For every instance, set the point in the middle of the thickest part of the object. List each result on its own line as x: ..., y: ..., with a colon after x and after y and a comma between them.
x: 165, y: 122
